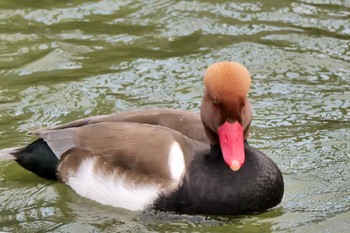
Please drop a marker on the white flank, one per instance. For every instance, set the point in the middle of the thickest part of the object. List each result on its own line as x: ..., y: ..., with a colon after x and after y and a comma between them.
x: 6, y: 153
x: 111, y: 189
x: 176, y: 162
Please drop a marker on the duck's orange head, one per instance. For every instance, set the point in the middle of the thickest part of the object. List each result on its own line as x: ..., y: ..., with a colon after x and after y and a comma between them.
x: 228, y: 83
x: 226, y: 111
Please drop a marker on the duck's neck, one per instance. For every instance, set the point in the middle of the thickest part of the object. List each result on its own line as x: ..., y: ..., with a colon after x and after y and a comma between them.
x: 215, y: 149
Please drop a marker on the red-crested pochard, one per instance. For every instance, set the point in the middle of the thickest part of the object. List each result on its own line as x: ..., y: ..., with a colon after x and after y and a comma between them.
x: 165, y: 159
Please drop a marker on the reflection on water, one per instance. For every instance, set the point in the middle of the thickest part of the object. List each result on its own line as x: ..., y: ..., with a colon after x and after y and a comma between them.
x: 64, y: 60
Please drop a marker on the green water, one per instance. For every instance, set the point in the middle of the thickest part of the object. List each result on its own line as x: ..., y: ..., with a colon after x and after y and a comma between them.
x: 62, y: 60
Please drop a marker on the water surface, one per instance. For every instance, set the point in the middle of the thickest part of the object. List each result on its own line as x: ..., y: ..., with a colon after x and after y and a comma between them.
x: 62, y: 60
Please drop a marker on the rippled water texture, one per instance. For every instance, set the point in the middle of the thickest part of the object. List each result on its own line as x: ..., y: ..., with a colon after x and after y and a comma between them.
x: 60, y: 60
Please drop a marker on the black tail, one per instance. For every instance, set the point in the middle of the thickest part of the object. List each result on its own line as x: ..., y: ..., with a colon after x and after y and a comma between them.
x: 38, y: 158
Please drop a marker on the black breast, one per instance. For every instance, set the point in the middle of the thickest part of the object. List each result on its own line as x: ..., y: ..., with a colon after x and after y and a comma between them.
x: 211, y: 187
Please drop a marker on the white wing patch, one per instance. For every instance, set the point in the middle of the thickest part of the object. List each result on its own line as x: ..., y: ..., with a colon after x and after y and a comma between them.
x: 176, y: 162
x: 111, y: 189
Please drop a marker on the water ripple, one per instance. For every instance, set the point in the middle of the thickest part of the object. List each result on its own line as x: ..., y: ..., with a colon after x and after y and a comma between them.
x: 64, y: 60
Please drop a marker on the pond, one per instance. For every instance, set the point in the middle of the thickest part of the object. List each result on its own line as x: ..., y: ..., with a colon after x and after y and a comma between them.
x: 63, y: 60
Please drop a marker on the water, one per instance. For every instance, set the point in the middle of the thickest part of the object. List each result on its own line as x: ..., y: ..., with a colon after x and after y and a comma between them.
x: 63, y: 60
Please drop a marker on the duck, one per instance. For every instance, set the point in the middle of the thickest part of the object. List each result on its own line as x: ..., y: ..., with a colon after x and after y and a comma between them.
x: 166, y: 160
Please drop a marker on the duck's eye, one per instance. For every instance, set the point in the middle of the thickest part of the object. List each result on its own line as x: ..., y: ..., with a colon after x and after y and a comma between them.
x: 216, y: 105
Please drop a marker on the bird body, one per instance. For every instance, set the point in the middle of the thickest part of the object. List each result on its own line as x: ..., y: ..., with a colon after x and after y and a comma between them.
x: 169, y: 160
